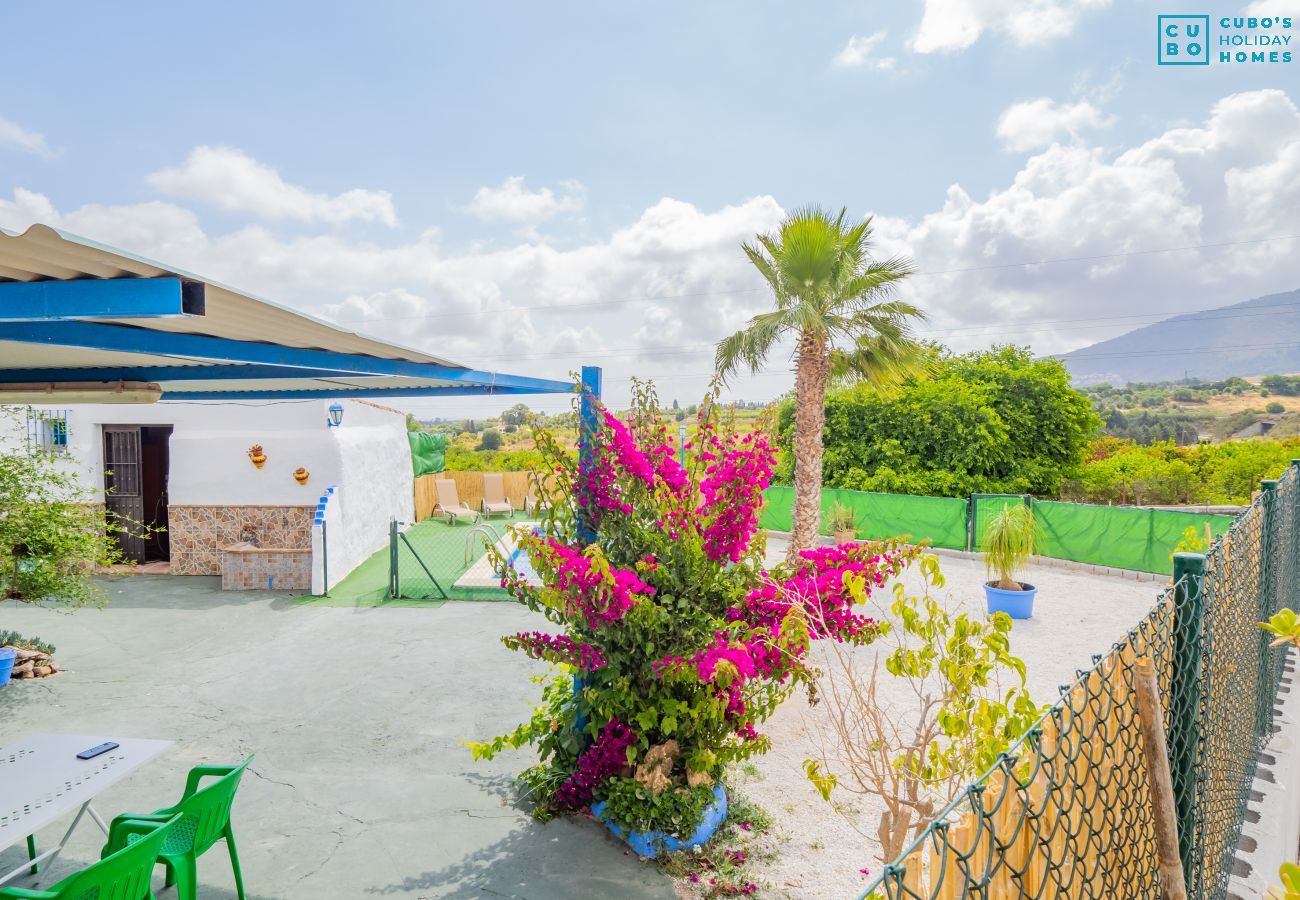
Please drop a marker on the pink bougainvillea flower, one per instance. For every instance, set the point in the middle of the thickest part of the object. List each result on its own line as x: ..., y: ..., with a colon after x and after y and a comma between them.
x: 556, y: 648
x: 598, y: 599
x: 605, y: 757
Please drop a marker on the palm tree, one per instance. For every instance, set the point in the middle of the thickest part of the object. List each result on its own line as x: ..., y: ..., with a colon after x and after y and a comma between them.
x: 827, y: 290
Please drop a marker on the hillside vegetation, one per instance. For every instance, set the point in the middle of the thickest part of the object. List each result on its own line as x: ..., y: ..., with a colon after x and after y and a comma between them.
x: 1191, y: 411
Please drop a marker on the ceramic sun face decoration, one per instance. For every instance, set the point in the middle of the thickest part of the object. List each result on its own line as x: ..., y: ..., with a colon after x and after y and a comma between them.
x: 257, y: 455
x: 300, y: 475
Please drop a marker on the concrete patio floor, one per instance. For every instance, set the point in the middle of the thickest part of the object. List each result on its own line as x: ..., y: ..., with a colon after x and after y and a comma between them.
x: 360, y: 787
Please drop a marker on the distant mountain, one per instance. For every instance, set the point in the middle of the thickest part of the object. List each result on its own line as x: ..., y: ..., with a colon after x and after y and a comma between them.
x: 1258, y: 337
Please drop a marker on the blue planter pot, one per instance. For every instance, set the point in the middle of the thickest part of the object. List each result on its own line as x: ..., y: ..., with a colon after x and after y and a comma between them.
x: 1016, y: 604
x: 6, y: 665
x: 650, y: 843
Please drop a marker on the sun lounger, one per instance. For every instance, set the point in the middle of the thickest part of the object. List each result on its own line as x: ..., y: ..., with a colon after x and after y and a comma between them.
x: 449, y: 501
x: 494, y: 494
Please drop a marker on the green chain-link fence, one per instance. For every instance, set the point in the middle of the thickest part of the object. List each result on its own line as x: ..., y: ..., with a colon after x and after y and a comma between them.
x: 1066, y: 812
x: 434, y: 560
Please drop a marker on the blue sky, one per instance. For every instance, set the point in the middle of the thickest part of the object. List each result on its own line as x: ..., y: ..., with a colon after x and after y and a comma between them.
x: 444, y: 175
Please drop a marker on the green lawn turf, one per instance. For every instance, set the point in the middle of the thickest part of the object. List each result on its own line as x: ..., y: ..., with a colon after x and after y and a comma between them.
x: 440, y: 548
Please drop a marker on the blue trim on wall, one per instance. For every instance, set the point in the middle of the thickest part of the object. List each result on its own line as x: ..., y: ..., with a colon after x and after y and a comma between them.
x: 462, y: 390
x: 131, y: 339
x: 91, y: 298
x: 168, y: 373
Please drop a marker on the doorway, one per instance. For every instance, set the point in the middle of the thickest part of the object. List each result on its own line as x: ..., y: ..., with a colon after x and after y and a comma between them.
x: 135, y: 488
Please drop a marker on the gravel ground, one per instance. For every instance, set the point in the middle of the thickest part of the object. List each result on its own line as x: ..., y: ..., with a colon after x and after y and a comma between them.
x: 821, y: 850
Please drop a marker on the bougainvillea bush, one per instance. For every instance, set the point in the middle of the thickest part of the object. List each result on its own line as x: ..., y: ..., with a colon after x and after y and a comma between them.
x: 673, y: 643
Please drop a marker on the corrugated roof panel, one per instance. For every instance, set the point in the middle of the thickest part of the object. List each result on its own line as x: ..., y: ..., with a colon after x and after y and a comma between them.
x: 43, y: 253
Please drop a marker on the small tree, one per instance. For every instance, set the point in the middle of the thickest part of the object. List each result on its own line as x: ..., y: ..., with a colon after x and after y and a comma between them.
x: 917, y: 756
x: 515, y: 417
x: 1009, y: 544
x: 491, y: 440
x: 53, y: 533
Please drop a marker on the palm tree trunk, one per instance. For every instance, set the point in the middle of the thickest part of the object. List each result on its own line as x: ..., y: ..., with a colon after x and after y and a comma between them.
x: 811, y: 367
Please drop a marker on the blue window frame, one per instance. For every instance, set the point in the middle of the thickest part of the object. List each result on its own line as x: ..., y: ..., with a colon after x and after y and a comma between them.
x: 47, y: 430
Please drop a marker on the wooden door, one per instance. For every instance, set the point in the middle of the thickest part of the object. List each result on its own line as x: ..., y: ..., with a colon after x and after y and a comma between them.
x: 123, y: 492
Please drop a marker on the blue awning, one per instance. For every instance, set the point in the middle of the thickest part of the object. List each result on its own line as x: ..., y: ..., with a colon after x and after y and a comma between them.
x: 76, y: 314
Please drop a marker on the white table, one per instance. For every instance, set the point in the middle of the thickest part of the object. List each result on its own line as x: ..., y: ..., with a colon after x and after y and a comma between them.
x: 41, y: 780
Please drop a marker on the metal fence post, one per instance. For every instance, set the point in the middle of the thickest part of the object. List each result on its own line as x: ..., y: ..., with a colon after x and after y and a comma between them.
x: 392, y: 557
x: 1185, y: 700
x: 1267, y: 599
x: 325, y: 556
x: 1293, y: 588
x: 588, y: 428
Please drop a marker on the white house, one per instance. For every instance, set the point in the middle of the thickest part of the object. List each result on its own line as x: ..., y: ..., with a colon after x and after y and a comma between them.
x: 158, y: 383
x: 186, y: 469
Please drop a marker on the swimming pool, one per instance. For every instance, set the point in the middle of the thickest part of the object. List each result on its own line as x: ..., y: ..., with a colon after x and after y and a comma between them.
x: 481, y: 574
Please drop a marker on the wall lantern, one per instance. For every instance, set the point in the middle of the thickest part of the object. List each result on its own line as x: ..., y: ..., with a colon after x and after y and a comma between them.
x: 336, y: 415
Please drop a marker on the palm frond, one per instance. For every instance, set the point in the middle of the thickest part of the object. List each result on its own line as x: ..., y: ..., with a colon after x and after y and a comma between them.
x: 823, y: 281
x: 749, y: 346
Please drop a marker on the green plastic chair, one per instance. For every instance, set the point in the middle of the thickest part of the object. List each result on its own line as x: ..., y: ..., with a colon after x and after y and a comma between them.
x: 123, y: 875
x: 204, y: 819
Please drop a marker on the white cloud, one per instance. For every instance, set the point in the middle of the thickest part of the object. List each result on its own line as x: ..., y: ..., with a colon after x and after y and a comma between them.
x: 490, y: 308
x: 951, y: 25
x: 14, y: 135
x: 860, y: 53
x: 232, y: 180
x: 1273, y: 8
x: 672, y: 280
x: 512, y: 202
x: 1034, y: 124
x: 1235, y: 177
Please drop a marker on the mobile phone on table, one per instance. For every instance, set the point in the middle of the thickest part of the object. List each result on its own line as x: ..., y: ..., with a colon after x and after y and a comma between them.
x: 96, y: 751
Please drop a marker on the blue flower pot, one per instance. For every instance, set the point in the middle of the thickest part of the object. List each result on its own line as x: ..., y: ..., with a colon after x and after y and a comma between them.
x: 1016, y: 604
x: 650, y: 843
x: 6, y: 665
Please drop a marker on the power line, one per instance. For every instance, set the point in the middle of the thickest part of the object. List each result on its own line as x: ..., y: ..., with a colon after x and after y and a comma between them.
x: 920, y: 273
x: 1175, y: 351
x: 1021, y: 327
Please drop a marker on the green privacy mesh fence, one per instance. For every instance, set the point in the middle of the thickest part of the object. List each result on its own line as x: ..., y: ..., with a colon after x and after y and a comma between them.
x: 1066, y: 810
x: 1124, y: 537
x: 434, y: 560
x: 1121, y: 536
x: 428, y: 452
x: 940, y: 519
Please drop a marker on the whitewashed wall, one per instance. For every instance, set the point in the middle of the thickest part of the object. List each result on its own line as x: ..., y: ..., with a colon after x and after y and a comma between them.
x: 367, y: 459
x: 375, y: 484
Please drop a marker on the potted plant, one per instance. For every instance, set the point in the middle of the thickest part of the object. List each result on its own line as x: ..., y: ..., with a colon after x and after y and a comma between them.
x: 1008, y: 544
x: 842, y: 523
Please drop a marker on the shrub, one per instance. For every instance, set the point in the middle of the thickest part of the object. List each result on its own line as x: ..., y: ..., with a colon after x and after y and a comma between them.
x: 1275, y: 408
x: 840, y: 518
x: 966, y: 703
x: 14, y: 639
x: 52, y: 532
x: 675, y: 642
x: 491, y: 440
x: 995, y: 421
